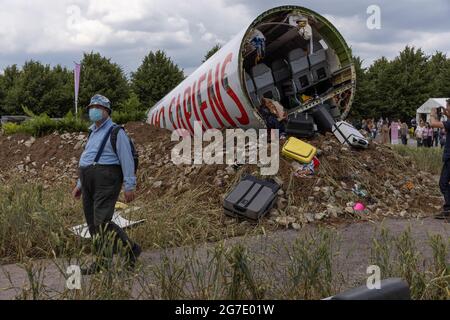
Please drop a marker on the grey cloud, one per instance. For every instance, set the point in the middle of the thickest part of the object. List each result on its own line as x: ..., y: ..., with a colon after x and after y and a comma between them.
x: 403, y: 22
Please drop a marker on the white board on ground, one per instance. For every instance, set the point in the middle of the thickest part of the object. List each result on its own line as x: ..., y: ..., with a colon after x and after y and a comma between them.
x: 82, y: 230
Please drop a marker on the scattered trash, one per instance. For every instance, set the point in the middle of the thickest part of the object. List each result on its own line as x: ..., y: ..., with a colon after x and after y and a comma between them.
x: 303, y: 170
x: 316, y: 162
x: 121, y: 206
x: 409, y: 185
x: 359, y: 192
x: 359, y: 207
x: 285, y: 221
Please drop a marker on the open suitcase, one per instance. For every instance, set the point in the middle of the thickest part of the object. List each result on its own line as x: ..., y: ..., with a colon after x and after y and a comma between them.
x: 251, y: 198
x: 300, y: 125
x: 298, y: 150
x: 347, y: 134
x: 323, y: 118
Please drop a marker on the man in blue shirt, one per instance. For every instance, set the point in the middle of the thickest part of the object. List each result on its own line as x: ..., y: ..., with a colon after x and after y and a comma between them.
x: 100, y: 182
x: 444, y: 182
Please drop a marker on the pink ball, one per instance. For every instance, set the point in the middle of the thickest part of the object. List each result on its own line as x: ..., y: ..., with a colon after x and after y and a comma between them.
x: 359, y: 207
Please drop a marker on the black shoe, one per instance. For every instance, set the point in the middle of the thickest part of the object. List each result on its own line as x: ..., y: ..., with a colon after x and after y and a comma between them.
x: 92, y: 269
x: 444, y: 215
x: 134, y: 254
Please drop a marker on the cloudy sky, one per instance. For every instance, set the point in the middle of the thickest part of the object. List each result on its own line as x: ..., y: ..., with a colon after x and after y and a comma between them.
x: 59, y: 31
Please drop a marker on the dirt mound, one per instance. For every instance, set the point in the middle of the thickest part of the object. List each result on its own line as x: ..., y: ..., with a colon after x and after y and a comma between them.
x: 388, y: 184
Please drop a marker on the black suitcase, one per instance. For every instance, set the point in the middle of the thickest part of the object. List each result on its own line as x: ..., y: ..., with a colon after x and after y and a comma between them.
x: 323, y: 118
x: 251, y: 198
x: 300, y: 125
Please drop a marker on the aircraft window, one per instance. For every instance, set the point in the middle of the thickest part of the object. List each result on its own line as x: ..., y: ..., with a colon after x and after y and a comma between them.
x: 171, y: 116
x: 189, y: 106
x: 226, y: 85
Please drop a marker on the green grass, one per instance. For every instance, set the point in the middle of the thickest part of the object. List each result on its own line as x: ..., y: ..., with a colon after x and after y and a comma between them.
x: 34, y: 224
x: 425, y: 159
x: 399, y: 257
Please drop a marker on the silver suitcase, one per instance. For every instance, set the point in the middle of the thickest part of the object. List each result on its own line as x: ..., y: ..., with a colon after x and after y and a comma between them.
x: 347, y: 134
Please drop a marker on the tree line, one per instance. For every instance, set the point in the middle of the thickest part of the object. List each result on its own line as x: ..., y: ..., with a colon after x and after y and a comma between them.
x: 43, y: 89
x: 397, y: 88
x: 388, y: 88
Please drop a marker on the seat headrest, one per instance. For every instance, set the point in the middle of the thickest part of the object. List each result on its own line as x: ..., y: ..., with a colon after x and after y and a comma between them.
x: 296, y: 54
x: 260, y: 69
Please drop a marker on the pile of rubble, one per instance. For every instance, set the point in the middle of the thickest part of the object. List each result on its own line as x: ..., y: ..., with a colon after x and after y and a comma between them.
x: 386, y: 183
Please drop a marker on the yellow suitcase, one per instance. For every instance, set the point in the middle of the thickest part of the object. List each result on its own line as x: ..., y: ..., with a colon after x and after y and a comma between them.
x: 298, y: 150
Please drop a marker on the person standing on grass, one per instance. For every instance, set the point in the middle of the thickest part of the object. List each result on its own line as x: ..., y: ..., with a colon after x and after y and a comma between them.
x: 380, y: 124
x: 369, y: 128
x: 394, y: 132
x: 102, y: 171
x: 419, y: 134
x: 414, y: 123
x: 429, y: 135
x: 404, y: 133
x: 444, y: 181
x: 435, y: 137
x: 385, y: 133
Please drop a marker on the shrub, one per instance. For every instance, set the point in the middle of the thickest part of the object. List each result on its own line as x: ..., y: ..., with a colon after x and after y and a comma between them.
x: 70, y: 123
x: 11, y: 128
x: 130, y: 110
x: 40, y: 125
x: 124, y: 117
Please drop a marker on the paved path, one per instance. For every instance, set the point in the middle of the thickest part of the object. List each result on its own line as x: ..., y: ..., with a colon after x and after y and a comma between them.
x: 354, y: 241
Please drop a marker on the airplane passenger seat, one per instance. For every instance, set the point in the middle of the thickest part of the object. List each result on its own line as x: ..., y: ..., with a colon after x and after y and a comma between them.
x: 264, y: 82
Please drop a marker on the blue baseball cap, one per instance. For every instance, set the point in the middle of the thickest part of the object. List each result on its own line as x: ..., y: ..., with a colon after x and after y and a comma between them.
x: 99, y: 100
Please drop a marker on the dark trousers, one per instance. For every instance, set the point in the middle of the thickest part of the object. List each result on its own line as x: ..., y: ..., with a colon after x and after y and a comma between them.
x: 405, y: 140
x: 100, y: 187
x: 444, y: 184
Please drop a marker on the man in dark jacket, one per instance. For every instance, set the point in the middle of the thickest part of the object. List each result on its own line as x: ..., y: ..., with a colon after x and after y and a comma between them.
x: 444, y: 182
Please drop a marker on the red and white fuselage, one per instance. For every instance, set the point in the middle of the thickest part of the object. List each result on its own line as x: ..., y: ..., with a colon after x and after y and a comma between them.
x: 212, y: 95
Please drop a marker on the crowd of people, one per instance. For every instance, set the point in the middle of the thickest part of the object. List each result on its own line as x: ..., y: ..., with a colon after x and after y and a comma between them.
x: 399, y: 132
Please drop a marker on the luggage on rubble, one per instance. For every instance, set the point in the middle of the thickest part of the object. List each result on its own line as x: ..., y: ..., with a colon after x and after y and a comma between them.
x: 347, y: 134
x: 301, y: 125
x: 252, y: 198
x: 298, y: 150
x: 323, y: 118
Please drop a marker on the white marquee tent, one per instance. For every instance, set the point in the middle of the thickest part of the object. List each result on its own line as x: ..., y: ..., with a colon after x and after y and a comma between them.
x: 424, y: 111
